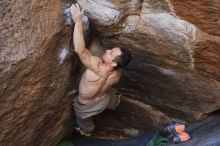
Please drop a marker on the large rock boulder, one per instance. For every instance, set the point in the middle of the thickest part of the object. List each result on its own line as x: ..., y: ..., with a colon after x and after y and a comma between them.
x: 175, y: 64
x: 35, y: 72
x: 175, y: 67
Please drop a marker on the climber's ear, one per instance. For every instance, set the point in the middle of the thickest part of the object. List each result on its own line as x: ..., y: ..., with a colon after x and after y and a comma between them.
x: 114, y: 64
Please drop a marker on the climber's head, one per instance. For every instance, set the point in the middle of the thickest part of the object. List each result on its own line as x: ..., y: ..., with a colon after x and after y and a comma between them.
x: 117, y: 57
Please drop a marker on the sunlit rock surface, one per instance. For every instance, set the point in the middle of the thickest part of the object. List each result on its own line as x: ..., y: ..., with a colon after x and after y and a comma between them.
x: 35, y: 72
x: 175, y: 67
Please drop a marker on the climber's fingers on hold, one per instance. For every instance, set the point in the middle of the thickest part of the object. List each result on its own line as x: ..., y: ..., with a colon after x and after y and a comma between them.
x: 83, y: 11
x: 73, y: 8
x: 77, y: 7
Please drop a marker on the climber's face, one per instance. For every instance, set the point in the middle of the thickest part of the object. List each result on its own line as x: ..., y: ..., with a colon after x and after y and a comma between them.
x: 110, y: 55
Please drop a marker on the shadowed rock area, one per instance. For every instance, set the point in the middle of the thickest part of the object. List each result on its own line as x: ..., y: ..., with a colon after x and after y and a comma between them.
x: 175, y: 71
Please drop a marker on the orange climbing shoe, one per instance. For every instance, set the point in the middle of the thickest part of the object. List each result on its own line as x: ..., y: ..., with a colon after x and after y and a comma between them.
x: 176, y: 128
x: 182, y: 137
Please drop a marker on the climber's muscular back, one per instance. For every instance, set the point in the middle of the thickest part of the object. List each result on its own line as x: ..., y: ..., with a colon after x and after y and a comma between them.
x: 93, y: 86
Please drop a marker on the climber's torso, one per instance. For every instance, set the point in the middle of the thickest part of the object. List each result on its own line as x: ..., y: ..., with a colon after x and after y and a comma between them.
x: 93, y: 86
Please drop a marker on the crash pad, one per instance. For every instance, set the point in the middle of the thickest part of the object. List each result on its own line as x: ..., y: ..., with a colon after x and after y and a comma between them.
x: 205, y: 133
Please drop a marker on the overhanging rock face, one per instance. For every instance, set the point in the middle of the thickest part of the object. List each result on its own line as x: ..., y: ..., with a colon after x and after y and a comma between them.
x: 175, y: 66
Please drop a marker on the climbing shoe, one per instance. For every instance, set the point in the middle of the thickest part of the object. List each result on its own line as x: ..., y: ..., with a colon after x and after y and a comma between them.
x: 182, y: 137
x: 82, y: 132
x: 175, y: 128
x: 177, y: 131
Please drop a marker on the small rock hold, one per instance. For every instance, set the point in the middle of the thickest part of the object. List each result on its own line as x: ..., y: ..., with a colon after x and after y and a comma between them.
x: 131, y: 132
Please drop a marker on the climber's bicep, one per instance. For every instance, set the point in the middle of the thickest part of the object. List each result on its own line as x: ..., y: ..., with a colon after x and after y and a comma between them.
x: 91, y: 62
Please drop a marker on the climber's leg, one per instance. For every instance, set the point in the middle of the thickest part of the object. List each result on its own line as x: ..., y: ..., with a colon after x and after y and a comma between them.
x: 114, y: 99
x: 85, y: 126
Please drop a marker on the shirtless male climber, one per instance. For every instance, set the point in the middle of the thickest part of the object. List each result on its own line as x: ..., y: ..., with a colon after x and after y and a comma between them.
x: 95, y: 88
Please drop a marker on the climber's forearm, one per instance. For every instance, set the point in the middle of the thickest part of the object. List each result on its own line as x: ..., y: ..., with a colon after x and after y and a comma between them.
x: 78, y: 38
x: 91, y: 62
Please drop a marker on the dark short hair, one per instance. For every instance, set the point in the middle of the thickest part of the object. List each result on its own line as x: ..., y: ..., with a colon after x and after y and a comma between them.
x: 123, y: 59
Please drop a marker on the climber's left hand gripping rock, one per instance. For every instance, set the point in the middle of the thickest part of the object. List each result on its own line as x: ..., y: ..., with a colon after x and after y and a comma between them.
x: 77, y: 14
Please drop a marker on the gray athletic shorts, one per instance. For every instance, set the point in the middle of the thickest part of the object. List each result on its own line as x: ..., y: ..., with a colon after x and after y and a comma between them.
x: 111, y: 100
